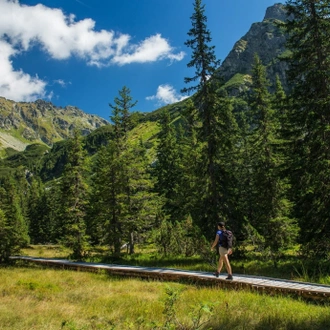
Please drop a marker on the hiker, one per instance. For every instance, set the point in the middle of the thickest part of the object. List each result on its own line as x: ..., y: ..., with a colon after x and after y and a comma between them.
x: 225, y: 249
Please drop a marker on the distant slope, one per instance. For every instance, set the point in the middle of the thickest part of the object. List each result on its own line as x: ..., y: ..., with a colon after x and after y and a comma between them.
x: 9, y: 141
x: 24, y: 123
x: 40, y: 122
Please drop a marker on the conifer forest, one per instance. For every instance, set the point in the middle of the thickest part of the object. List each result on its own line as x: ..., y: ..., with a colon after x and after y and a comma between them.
x: 259, y: 161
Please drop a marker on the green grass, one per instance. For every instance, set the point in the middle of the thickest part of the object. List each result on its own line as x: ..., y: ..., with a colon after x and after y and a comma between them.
x: 238, y: 80
x: 145, y: 131
x: 40, y: 298
x: 18, y: 134
x: 290, y: 267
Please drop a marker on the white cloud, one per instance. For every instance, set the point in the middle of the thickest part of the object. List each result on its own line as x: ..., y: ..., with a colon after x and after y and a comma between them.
x: 61, y: 36
x: 149, y: 50
x: 17, y: 85
x: 61, y: 82
x: 166, y: 94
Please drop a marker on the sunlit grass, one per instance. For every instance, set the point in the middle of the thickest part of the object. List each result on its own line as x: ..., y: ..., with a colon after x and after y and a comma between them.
x: 291, y: 267
x: 41, y: 298
x: 46, y: 251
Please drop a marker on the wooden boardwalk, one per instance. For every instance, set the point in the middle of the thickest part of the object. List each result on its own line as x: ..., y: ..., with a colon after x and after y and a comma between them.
x: 260, y: 284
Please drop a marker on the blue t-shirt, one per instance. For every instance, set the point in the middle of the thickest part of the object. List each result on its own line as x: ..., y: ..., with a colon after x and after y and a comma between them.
x: 220, y: 234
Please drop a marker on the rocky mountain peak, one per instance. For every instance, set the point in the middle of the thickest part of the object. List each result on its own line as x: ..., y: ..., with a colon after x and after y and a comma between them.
x: 276, y: 11
x: 41, y: 122
x: 267, y: 40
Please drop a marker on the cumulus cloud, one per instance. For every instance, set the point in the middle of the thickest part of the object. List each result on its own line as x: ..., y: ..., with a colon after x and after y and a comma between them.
x: 61, y: 36
x: 149, y: 50
x: 17, y: 85
x: 166, y: 94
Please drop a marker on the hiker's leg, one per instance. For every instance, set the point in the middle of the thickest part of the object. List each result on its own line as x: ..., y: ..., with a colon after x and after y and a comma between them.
x: 220, y: 265
x: 227, y: 264
x: 223, y: 253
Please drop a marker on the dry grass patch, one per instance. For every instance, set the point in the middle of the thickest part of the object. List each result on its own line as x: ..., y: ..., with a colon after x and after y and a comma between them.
x: 46, y: 251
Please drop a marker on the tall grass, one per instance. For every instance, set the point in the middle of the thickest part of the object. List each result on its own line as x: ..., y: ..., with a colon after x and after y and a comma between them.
x: 40, y: 298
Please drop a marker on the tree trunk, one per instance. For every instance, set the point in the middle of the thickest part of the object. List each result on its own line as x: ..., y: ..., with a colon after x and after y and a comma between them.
x: 131, y: 243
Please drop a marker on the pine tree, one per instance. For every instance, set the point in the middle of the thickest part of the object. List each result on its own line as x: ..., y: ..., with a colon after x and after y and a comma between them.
x: 271, y: 214
x: 280, y: 101
x: 120, y: 165
x: 38, y: 230
x: 242, y: 169
x: 141, y: 203
x: 308, y: 27
x: 13, y: 227
x: 52, y: 220
x: 121, y: 116
x: 217, y: 123
x: 121, y: 201
x: 203, y: 57
x: 107, y: 192
x: 6, y: 247
x: 74, y: 198
x: 191, y: 163
x: 22, y: 190
x: 167, y: 167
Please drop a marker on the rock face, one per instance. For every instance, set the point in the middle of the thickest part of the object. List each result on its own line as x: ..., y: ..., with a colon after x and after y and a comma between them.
x: 265, y: 39
x: 41, y: 121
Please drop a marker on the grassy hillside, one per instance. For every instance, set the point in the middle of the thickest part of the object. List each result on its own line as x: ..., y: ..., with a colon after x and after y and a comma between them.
x: 24, y: 123
x: 50, y: 162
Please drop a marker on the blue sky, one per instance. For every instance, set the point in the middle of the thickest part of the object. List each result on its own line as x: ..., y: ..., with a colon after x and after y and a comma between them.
x: 82, y: 52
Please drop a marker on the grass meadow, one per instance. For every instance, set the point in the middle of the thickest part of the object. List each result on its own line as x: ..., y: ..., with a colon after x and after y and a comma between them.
x: 33, y: 297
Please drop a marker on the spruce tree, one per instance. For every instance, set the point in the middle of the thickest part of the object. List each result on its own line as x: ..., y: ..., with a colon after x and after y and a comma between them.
x: 190, y: 153
x: 203, y: 57
x: 107, y: 193
x: 119, y: 156
x: 38, y: 225
x: 217, y: 131
x: 73, y: 199
x: 308, y: 26
x: 141, y: 203
x: 121, y: 116
x: 6, y: 246
x: 121, y: 200
x: 167, y: 167
x: 53, y: 223
x: 13, y: 226
x: 22, y: 190
x: 242, y: 168
x: 271, y: 207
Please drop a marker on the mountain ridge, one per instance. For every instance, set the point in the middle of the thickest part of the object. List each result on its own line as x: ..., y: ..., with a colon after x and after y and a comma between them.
x: 264, y: 38
x: 24, y: 123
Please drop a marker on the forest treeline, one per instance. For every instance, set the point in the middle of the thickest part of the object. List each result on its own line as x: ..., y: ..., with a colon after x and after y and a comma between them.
x: 260, y: 162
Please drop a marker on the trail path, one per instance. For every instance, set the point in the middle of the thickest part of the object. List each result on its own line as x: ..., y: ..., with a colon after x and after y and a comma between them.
x: 255, y: 283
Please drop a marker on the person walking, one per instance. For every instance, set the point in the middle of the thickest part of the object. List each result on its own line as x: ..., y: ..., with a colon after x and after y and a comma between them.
x: 223, y: 240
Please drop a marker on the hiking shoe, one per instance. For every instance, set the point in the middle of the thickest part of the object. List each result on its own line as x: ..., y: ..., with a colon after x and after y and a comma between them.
x: 229, y: 277
x: 216, y: 274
